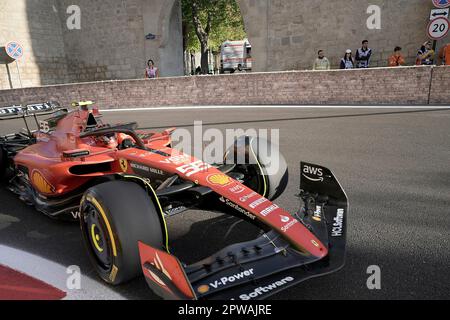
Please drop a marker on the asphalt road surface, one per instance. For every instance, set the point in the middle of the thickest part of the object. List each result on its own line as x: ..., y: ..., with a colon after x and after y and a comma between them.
x: 393, y: 163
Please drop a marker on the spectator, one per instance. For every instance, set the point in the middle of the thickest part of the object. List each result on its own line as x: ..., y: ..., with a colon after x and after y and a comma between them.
x: 347, y: 61
x: 363, y: 55
x: 322, y: 62
x: 397, y: 59
x: 444, y: 55
x: 425, y: 56
x: 151, y: 72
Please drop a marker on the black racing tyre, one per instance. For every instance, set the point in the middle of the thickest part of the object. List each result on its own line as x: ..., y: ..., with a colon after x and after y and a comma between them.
x: 114, y: 216
x: 3, y: 163
x: 264, y: 172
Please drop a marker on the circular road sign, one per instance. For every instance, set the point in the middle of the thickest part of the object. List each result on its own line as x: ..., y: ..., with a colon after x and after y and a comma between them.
x: 438, y: 28
x: 14, y: 50
x: 441, y: 3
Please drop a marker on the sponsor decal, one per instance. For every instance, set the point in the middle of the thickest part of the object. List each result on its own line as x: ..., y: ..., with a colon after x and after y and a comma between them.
x: 247, y: 197
x: 178, y: 159
x: 11, y: 109
x: 176, y: 210
x: 203, y: 289
x: 147, y: 169
x: 230, y: 279
x: 123, y: 164
x: 258, y: 202
x: 219, y: 179
x: 237, y: 208
x: 113, y: 274
x: 266, y: 289
x: 193, y: 168
x: 313, y: 174
x: 289, y: 225
x: 318, y: 214
x: 237, y: 189
x: 284, y: 219
x: 76, y: 214
x: 39, y: 106
x: 41, y: 184
x: 338, y: 224
x: 268, y: 210
x: 314, y: 242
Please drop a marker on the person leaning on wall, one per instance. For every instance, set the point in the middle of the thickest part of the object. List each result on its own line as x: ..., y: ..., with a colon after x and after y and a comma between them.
x: 321, y: 62
x: 347, y: 62
x: 397, y: 59
x: 425, y: 55
x: 151, y: 72
x: 444, y: 55
x: 363, y: 55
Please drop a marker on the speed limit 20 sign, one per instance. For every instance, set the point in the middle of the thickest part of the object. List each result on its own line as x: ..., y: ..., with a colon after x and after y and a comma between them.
x: 438, y: 28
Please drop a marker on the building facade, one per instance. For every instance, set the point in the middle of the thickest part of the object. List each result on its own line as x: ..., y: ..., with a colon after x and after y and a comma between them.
x: 117, y: 37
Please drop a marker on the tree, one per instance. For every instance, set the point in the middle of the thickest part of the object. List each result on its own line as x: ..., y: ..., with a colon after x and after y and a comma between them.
x: 208, y: 23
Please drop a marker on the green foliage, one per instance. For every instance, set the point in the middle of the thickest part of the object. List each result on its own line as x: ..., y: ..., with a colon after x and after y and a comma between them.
x: 226, y: 22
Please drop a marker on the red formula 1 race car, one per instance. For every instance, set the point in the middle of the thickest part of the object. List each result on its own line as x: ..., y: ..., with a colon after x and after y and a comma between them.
x: 122, y: 184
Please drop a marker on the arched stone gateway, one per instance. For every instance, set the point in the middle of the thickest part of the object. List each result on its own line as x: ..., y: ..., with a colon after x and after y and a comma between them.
x: 112, y: 44
x: 163, y: 19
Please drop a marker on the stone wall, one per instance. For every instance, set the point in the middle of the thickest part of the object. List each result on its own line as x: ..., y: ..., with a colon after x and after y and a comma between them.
x: 440, y: 88
x: 111, y: 43
x: 36, y: 25
x: 286, y: 34
x: 389, y: 86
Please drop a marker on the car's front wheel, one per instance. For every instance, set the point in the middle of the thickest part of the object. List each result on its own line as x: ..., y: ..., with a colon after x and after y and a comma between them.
x: 114, y: 217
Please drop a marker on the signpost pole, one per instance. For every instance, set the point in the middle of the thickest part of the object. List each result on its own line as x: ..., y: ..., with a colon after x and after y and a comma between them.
x: 18, y: 73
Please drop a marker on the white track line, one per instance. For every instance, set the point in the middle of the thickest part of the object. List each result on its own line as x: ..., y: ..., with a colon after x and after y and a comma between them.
x: 270, y: 107
x: 54, y: 274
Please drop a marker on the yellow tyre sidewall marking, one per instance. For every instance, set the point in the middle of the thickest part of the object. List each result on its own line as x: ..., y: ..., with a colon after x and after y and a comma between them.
x: 260, y: 168
x: 159, y: 206
x: 94, y: 238
x: 105, y: 219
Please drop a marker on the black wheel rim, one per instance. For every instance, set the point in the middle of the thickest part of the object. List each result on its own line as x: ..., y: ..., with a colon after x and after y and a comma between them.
x: 97, y: 234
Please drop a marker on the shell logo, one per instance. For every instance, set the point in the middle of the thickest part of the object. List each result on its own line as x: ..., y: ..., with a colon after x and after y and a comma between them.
x: 219, y: 179
x: 203, y: 289
x: 41, y: 183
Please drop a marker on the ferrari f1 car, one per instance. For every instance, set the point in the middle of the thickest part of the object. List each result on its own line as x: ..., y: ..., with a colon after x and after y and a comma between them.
x: 123, y: 184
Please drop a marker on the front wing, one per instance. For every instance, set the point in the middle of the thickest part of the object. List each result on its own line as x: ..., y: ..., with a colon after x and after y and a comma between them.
x: 259, y: 268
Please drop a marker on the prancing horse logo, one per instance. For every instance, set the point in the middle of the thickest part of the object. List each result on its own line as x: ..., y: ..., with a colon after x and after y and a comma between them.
x: 123, y: 165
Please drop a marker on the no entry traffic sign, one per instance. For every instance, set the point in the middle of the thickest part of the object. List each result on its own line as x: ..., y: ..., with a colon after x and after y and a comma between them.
x: 14, y: 50
x: 438, y: 28
x: 441, y: 3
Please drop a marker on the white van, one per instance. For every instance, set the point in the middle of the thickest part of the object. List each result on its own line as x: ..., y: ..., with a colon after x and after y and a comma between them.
x: 236, y: 55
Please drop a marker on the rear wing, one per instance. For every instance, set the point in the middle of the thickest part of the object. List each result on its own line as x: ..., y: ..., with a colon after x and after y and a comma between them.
x: 35, y: 109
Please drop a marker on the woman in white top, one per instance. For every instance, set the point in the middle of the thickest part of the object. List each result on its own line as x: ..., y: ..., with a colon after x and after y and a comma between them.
x: 151, y: 72
x: 347, y: 61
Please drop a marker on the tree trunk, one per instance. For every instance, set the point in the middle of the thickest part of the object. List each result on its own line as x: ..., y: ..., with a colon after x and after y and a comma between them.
x: 203, y: 35
x: 205, y: 58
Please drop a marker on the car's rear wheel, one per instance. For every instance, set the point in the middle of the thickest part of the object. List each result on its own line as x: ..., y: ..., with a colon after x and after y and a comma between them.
x: 114, y: 217
x: 3, y: 163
